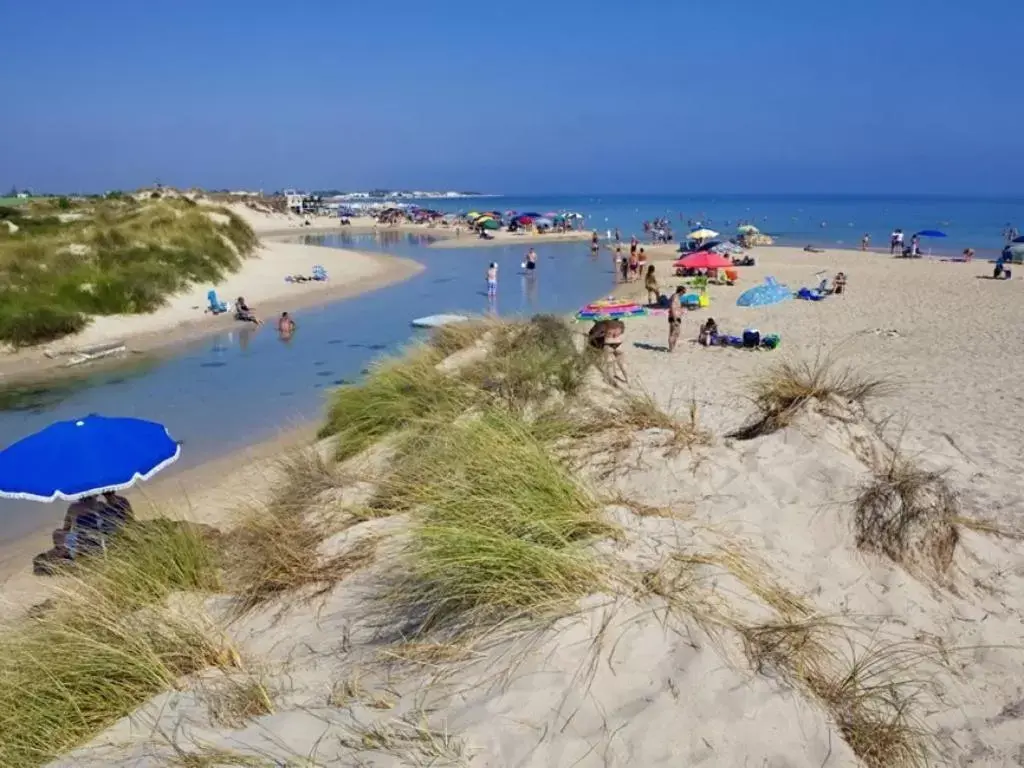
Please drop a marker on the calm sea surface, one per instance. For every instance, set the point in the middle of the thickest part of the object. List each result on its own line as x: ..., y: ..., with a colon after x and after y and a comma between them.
x: 245, y: 385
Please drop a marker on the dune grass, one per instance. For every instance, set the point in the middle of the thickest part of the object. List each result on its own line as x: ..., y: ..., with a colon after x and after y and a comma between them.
x: 106, y: 644
x: 396, y: 394
x: 500, y: 529
x: 111, y: 257
x: 530, y: 361
x: 275, y: 549
x: 909, y: 514
x: 873, y: 690
x: 788, y: 387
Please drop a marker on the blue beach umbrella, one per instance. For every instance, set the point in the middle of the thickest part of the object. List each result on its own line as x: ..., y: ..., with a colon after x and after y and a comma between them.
x: 73, y: 459
x: 931, y: 233
x: 768, y: 292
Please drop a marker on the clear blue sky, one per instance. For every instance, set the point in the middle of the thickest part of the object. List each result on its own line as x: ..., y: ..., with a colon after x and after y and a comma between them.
x: 574, y: 96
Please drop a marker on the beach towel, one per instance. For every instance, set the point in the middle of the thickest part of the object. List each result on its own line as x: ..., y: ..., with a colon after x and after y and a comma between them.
x: 216, y: 306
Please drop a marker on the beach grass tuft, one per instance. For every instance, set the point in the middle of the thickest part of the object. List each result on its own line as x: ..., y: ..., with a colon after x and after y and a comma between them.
x: 105, y: 644
x: 871, y: 690
x: 500, y: 530
x: 396, y: 394
x: 909, y: 514
x: 276, y: 549
x: 529, y: 362
x: 786, y: 388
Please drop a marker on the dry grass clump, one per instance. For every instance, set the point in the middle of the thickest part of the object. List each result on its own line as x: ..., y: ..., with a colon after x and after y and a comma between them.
x: 500, y: 530
x: 105, y: 646
x: 909, y: 514
x: 397, y: 393
x: 276, y: 549
x: 528, y: 362
x: 638, y: 412
x: 234, y: 702
x: 872, y: 691
x: 788, y: 387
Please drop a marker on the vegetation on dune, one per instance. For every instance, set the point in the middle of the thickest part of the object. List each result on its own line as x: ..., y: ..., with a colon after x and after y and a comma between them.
x: 499, y: 528
x: 106, y: 643
x: 788, y: 387
x: 62, y: 263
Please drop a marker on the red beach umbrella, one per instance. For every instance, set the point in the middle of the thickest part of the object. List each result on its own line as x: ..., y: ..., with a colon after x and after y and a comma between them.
x: 703, y: 260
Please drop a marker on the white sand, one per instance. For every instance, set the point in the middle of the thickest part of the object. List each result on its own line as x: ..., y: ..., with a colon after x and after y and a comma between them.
x: 625, y: 683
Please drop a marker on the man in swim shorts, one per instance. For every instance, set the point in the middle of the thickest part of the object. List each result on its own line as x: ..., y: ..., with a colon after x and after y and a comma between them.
x: 492, y: 279
x: 675, y: 317
x: 531, y: 260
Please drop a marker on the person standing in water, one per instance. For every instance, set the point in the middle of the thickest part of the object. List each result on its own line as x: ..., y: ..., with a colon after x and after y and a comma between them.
x: 675, y: 317
x: 492, y: 280
x: 531, y: 260
x: 593, y: 242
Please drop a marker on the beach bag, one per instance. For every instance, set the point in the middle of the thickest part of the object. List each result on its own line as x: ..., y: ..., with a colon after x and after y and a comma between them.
x: 751, y: 339
x: 771, y: 341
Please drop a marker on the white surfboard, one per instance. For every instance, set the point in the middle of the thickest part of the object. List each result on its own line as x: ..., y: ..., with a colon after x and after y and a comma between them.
x: 435, y: 321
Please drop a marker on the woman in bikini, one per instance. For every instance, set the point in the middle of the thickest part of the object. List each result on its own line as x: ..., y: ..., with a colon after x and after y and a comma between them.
x: 608, y: 336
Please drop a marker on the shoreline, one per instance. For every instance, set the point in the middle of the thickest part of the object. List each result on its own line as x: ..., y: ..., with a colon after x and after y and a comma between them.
x: 32, y: 365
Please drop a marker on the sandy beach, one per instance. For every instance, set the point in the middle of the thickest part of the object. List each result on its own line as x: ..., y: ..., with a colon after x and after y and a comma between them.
x: 770, y: 519
x: 261, y: 280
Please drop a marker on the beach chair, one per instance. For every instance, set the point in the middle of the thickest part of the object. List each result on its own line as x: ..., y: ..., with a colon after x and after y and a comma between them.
x: 216, y: 306
x: 319, y: 273
x: 731, y: 276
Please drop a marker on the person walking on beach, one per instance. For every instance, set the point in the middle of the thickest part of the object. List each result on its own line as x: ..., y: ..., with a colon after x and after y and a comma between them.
x: 865, y: 242
x: 634, y: 265
x: 675, y: 317
x: 492, y: 280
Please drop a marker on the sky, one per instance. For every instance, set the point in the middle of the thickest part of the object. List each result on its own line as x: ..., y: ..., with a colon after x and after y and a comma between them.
x: 792, y: 96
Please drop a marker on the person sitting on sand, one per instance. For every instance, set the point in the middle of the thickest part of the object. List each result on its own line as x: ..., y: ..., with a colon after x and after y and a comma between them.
x: 607, y: 336
x: 651, y: 284
x: 63, y: 539
x: 244, y: 313
x: 839, y: 284
x: 675, y: 316
x: 968, y: 254
x: 708, y: 334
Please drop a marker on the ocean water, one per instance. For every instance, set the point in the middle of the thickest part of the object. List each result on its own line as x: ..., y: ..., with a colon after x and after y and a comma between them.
x: 245, y: 385
x: 821, y: 220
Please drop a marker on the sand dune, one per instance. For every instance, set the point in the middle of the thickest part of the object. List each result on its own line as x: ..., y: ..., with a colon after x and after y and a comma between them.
x: 758, y: 597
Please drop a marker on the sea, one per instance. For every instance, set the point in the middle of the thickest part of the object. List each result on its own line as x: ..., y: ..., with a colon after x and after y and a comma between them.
x: 818, y: 220
x: 245, y: 385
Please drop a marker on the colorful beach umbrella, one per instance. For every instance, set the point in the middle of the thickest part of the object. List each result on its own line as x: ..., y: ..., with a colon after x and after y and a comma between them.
x: 84, y: 457
x: 702, y: 234
x: 611, y: 309
x: 748, y: 229
x: 703, y: 260
x: 542, y: 221
x: 487, y: 223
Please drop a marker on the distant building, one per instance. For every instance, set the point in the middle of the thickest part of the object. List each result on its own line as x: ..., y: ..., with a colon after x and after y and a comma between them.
x: 24, y: 195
